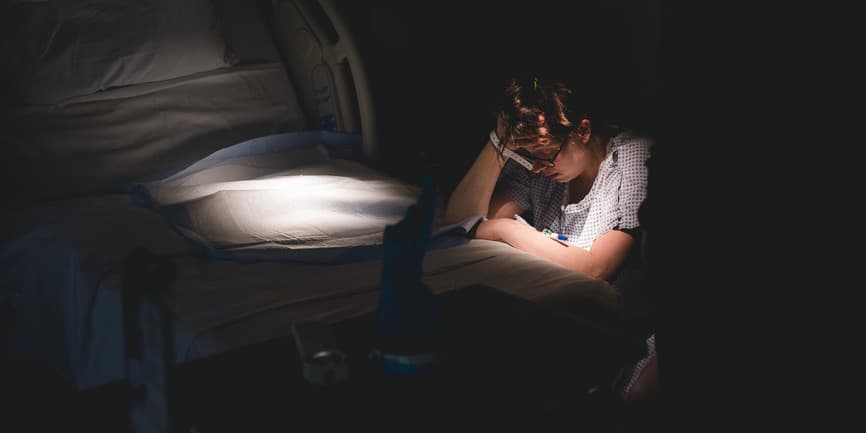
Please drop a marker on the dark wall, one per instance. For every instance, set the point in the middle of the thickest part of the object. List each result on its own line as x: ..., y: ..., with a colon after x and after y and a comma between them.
x: 757, y: 238
x: 437, y: 68
x: 755, y: 179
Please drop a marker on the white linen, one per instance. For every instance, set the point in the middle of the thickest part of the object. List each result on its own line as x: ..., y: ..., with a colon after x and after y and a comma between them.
x: 60, y: 49
x: 244, y: 27
x: 100, y: 144
x: 282, y: 192
x: 336, y: 203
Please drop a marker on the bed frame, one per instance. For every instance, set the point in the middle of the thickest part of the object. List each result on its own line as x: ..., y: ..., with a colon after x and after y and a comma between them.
x: 323, y: 60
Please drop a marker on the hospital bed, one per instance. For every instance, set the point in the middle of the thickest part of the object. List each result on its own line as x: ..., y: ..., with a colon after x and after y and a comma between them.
x: 237, y: 138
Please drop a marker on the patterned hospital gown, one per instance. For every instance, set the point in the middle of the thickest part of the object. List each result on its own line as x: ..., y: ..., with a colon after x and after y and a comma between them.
x: 611, y: 204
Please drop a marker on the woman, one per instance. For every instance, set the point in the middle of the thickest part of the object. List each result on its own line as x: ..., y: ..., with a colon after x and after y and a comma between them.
x: 586, y: 181
x: 578, y: 181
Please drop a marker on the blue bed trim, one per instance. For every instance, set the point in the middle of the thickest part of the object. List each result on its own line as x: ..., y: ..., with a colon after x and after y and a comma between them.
x: 339, y: 146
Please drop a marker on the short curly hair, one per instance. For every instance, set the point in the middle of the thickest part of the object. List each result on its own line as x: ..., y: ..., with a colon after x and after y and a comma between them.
x: 525, y: 98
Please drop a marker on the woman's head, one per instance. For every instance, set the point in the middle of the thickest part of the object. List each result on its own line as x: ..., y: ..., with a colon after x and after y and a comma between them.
x: 542, y: 119
x: 525, y: 101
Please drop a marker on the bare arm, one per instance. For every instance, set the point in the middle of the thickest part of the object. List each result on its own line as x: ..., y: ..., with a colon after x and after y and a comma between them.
x: 473, y: 194
x: 607, y: 254
x: 502, y: 205
x: 476, y: 194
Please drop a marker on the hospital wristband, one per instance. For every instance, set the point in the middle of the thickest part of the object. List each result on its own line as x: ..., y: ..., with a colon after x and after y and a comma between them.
x: 508, y: 153
x: 494, y: 139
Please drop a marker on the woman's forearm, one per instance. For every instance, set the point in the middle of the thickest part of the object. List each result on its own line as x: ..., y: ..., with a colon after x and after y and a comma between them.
x: 525, y: 237
x: 608, y: 251
x: 472, y: 195
x: 534, y: 242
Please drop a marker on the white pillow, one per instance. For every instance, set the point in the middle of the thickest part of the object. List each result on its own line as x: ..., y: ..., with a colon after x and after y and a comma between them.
x: 245, y: 28
x: 58, y: 49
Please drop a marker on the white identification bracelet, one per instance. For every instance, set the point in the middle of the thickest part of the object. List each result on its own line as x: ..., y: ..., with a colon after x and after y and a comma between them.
x: 508, y: 153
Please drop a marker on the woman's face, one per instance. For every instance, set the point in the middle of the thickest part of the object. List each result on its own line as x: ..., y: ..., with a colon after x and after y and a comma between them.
x: 573, y: 160
x: 562, y: 160
x: 574, y: 157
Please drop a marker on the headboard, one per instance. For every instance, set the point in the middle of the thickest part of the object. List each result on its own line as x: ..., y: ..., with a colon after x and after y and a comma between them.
x: 326, y: 66
x: 289, y: 65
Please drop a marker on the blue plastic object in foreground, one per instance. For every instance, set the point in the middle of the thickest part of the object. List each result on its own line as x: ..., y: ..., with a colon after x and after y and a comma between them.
x: 406, y: 329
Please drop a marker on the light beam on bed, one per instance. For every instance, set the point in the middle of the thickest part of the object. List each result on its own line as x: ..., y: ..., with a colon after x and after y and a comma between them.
x: 299, y: 211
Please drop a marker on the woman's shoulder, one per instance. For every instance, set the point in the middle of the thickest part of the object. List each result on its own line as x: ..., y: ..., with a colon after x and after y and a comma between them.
x: 630, y: 138
x: 630, y: 145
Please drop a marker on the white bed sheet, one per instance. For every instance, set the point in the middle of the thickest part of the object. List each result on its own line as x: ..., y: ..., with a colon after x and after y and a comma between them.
x: 101, y: 143
x: 62, y: 263
x: 281, y: 192
x: 54, y: 50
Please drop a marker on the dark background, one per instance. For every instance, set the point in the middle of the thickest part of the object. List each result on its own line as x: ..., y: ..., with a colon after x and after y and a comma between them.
x: 755, y: 216
x: 438, y: 67
x: 755, y: 190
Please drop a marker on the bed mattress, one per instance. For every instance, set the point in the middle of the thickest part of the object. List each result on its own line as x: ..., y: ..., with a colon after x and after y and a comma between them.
x: 60, y: 270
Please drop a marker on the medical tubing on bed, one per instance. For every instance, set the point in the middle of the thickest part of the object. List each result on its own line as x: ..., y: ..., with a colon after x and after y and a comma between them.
x: 113, y: 267
x: 148, y: 340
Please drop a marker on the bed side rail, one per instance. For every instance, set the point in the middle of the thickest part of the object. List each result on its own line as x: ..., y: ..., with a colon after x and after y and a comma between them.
x: 326, y: 67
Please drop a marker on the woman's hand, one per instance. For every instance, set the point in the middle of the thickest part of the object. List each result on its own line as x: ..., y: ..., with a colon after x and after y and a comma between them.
x: 537, y: 142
